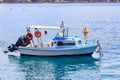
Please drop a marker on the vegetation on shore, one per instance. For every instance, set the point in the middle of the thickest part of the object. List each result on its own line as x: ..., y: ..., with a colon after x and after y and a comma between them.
x: 58, y: 1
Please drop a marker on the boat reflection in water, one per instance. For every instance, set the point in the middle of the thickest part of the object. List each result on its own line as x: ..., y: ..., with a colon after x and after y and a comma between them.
x: 55, y: 68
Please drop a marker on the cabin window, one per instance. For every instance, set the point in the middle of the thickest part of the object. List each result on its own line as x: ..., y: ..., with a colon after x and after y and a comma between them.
x: 79, y: 42
x: 65, y: 43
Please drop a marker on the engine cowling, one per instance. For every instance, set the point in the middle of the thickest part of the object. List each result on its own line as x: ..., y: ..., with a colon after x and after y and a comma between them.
x: 22, y: 41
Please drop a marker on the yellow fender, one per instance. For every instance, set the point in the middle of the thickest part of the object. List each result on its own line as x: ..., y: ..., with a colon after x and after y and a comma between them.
x: 85, y: 31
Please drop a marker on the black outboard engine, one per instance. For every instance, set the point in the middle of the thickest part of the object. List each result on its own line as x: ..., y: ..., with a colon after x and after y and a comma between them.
x: 22, y: 41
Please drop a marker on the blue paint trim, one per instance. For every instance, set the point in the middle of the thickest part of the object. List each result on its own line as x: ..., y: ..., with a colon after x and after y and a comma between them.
x: 87, y: 54
x: 59, y: 49
x: 65, y: 38
x: 66, y: 47
x: 61, y: 38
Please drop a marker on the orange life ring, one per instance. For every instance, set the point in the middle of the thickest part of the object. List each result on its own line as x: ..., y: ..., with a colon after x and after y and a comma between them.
x: 29, y: 36
x: 37, y: 34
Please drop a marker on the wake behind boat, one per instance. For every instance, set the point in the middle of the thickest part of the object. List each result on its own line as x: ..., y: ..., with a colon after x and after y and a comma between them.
x: 62, y: 44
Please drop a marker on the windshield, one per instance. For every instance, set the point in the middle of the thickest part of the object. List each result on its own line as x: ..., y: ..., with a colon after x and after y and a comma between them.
x: 65, y: 43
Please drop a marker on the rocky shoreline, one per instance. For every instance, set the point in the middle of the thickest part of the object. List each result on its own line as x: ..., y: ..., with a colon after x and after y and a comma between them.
x: 59, y: 1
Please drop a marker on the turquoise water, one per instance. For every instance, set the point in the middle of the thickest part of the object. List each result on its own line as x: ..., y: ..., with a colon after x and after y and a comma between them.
x: 102, y: 21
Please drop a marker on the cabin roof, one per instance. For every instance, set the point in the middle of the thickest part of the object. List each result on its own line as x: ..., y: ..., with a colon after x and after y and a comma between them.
x: 65, y: 38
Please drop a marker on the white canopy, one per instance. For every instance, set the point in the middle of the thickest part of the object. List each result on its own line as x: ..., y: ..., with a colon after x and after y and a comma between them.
x: 45, y: 27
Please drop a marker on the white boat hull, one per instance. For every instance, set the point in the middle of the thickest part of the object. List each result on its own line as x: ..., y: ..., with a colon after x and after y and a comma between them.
x: 56, y: 52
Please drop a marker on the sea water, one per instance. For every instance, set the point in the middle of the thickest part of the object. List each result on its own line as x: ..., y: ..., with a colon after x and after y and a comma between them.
x: 102, y: 20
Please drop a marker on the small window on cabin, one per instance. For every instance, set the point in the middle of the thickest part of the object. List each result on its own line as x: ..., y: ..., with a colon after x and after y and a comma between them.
x: 79, y: 42
x: 65, y: 43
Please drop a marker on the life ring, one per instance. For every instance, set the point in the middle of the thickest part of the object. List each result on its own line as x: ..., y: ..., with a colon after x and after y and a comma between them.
x: 37, y: 34
x: 29, y: 36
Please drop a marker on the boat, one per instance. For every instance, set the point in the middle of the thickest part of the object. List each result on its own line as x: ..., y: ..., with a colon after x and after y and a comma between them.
x: 61, y: 45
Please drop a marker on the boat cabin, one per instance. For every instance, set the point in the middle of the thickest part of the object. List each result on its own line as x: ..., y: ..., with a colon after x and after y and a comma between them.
x: 66, y: 41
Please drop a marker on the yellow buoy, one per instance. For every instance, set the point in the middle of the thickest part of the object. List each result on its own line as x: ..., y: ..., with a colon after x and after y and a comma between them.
x: 85, y: 31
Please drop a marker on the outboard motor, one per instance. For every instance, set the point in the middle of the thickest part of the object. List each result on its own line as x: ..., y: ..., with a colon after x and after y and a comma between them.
x: 22, y: 41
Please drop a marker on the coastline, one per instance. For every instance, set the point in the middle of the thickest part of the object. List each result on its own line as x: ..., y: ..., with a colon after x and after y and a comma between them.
x: 62, y: 3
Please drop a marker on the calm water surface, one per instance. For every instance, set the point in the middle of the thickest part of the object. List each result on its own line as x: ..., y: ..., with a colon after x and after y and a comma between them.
x: 102, y: 20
